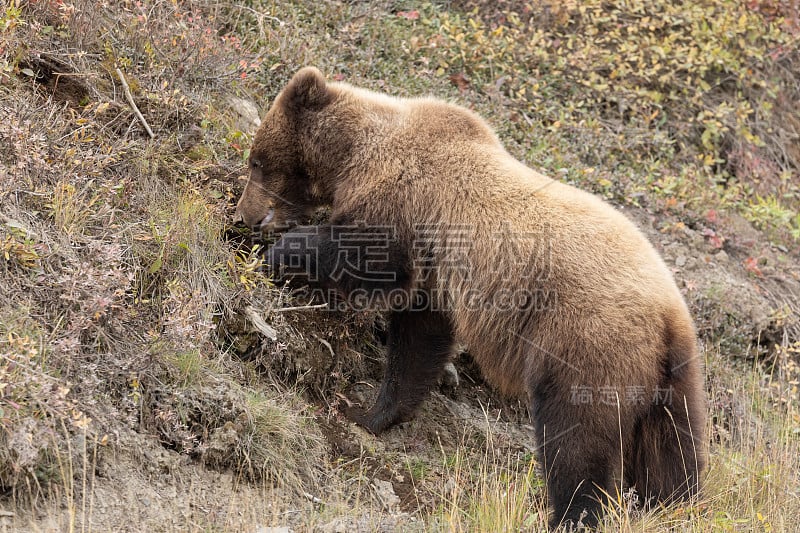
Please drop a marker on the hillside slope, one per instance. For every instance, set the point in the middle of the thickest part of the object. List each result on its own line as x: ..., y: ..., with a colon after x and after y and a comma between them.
x: 151, y: 378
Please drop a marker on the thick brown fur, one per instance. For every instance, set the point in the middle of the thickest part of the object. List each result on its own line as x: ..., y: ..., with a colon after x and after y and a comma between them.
x: 600, y: 314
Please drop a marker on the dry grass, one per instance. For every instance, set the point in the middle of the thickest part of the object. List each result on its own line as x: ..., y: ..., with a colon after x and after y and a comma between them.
x: 752, y: 483
x: 496, y: 490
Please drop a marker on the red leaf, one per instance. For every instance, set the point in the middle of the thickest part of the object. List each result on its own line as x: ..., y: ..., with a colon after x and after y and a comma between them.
x: 716, y: 241
x: 410, y: 15
x: 751, y: 265
x: 712, y: 217
x: 338, y: 77
x: 460, y: 81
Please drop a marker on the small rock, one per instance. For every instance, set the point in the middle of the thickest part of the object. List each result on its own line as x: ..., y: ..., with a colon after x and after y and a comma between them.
x: 680, y: 261
x: 450, y: 375
x: 694, y: 238
x: 337, y: 525
x: 279, y: 529
x: 449, y: 486
x: 639, y: 199
x: 385, y: 492
x: 190, y: 138
x: 220, y: 443
x: 721, y: 257
x: 247, y: 110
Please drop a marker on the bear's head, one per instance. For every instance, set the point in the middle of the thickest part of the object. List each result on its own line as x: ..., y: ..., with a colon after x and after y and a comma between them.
x: 286, y: 182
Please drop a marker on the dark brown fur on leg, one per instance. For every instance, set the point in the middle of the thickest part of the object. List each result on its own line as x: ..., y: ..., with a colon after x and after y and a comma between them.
x: 668, y: 451
x: 580, y: 454
x: 420, y: 343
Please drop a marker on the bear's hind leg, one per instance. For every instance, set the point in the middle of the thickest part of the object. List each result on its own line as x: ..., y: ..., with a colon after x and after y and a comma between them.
x: 580, y: 454
x: 419, y: 344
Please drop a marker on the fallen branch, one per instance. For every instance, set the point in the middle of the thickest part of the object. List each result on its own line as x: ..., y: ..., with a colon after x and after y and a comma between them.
x: 259, y: 323
x: 311, y: 498
x: 326, y: 344
x: 136, y: 111
x: 299, y: 308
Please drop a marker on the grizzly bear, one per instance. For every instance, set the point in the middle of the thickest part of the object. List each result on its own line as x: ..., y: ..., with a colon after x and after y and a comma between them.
x: 560, y: 298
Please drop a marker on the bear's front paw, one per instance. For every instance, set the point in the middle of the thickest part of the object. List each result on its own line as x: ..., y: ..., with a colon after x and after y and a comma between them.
x: 294, y: 255
x: 374, y: 421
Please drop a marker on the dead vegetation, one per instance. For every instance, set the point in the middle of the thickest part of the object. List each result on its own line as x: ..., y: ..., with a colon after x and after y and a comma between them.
x: 131, y: 377
x: 124, y: 297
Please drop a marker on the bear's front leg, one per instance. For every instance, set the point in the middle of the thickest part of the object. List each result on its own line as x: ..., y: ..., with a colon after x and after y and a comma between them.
x: 420, y: 343
x: 369, y: 262
x: 365, y: 264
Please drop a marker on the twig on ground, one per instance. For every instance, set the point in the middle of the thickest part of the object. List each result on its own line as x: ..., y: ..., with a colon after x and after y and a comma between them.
x: 326, y: 344
x: 136, y: 111
x: 311, y: 498
x: 299, y: 308
x: 259, y: 323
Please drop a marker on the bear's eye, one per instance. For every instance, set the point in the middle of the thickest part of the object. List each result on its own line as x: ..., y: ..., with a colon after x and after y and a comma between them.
x: 255, y: 163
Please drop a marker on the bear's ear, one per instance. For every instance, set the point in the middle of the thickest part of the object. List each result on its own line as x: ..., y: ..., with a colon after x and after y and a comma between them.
x: 307, y: 90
